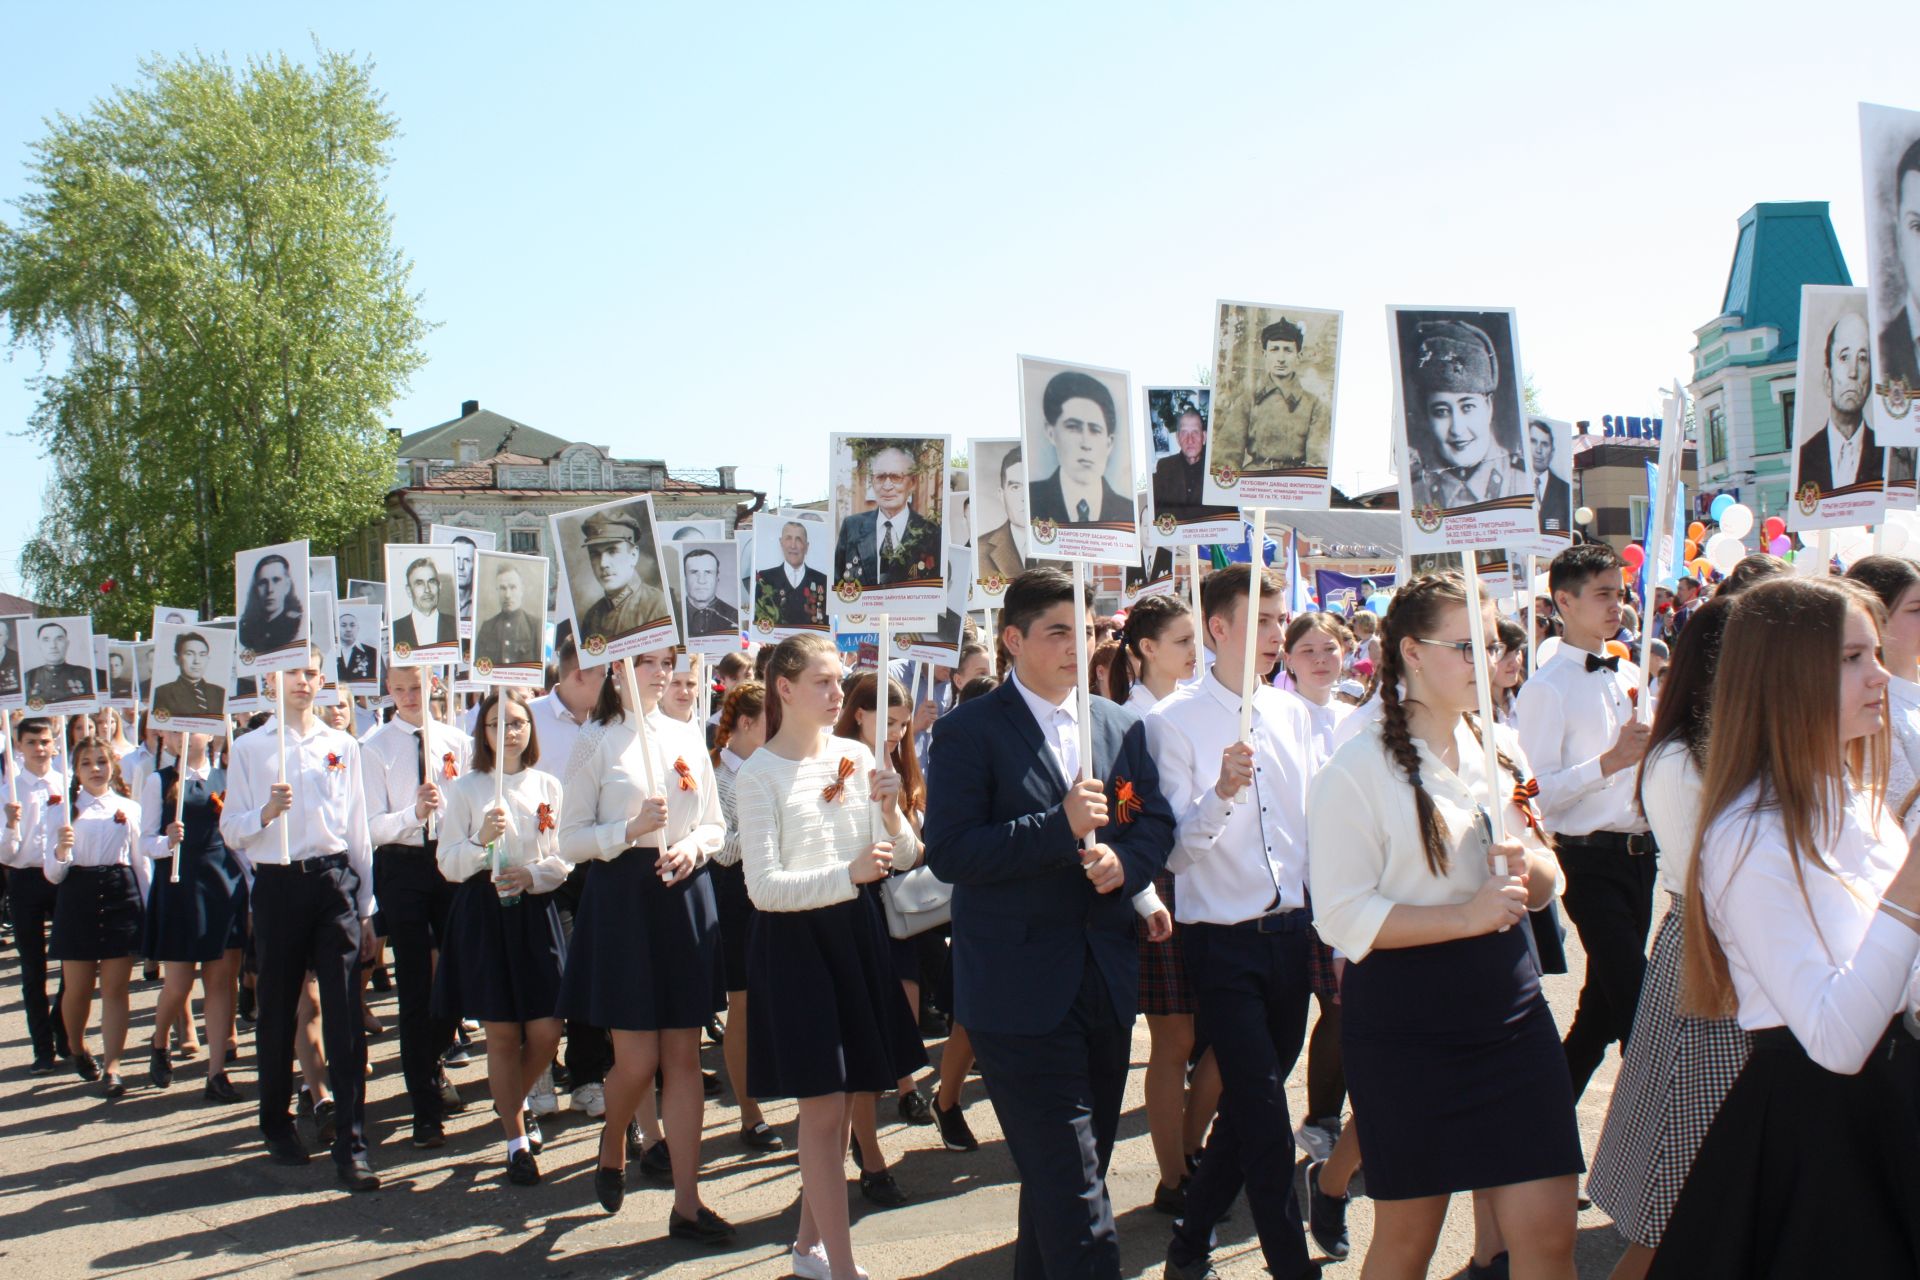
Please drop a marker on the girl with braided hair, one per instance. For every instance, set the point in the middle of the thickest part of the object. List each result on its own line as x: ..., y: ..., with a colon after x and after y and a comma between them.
x: 1452, y: 1057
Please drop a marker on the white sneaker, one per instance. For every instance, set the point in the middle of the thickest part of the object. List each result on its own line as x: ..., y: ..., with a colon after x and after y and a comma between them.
x: 590, y: 1098
x: 1317, y: 1138
x: 541, y: 1100
x: 814, y: 1266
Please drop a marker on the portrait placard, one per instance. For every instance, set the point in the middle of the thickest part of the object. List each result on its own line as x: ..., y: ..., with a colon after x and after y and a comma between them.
x: 321, y: 575
x: 1154, y: 575
x: 510, y: 620
x: 56, y: 685
x: 100, y: 644
x: 193, y: 670
x: 1550, y: 458
x: 1901, y: 492
x: 142, y: 671
x: 356, y: 664
x: 320, y: 605
x: 959, y: 506
x: 270, y: 600
x: 466, y: 544
x: 998, y: 472
x: 792, y: 552
x: 1179, y: 419
x: 709, y: 588
x: 371, y: 592
x: 1274, y: 375
x: 13, y: 695
x: 888, y: 495
x: 941, y: 644
x: 1457, y: 429
x: 612, y: 588
x: 123, y: 678
x: 164, y: 613
x: 1839, y: 463
x: 424, y: 631
x: 1890, y: 172
x: 1078, y: 445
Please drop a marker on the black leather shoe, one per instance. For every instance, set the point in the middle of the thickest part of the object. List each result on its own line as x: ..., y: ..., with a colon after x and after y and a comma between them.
x: 1326, y: 1215
x: 457, y: 1056
x: 86, y: 1066
x: 636, y: 1141
x: 428, y: 1134
x: 113, y: 1086
x: 882, y: 1190
x: 710, y: 1081
x: 761, y: 1138
x: 521, y: 1170
x: 1494, y: 1270
x: 220, y: 1089
x: 611, y: 1186
x: 160, y: 1067
x: 658, y: 1161
x: 43, y: 1066
x: 535, y: 1139
x: 323, y: 1122
x: 705, y: 1227
x: 286, y: 1148
x: 955, y: 1133
x: 1198, y: 1269
x: 357, y: 1174
x: 1171, y: 1201
x: 913, y: 1109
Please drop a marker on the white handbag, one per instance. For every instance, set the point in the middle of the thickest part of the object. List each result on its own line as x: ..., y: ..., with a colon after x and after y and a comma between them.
x: 916, y: 901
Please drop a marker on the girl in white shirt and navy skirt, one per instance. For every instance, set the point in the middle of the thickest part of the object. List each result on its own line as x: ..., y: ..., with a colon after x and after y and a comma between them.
x: 1458, y: 1079
x: 1803, y: 920
x: 96, y: 916
x: 829, y: 1018
x: 503, y: 950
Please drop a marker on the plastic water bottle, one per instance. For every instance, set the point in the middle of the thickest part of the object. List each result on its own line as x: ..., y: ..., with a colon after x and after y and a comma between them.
x: 497, y: 853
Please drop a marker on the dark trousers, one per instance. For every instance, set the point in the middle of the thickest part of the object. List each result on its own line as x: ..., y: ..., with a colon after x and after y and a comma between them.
x: 1251, y: 991
x: 306, y: 920
x: 414, y: 899
x: 589, y: 1054
x: 30, y: 907
x: 1609, y: 898
x: 1057, y: 1096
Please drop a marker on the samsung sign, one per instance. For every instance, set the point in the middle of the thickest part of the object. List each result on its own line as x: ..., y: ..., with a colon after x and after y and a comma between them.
x: 1616, y: 427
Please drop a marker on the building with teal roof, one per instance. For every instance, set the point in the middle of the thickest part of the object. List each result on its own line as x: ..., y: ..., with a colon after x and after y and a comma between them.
x: 1743, y: 359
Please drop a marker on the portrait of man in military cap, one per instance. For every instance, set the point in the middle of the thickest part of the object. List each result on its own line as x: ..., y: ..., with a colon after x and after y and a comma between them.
x: 614, y: 585
x: 1275, y: 369
x: 1463, y: 438
x: 1282, y: 424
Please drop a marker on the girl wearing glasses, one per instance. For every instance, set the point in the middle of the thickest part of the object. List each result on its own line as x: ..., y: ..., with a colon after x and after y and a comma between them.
x: 502, y: 955
x: 1453, y: 1061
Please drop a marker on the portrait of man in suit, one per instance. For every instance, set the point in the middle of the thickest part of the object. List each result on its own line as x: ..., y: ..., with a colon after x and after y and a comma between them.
x: 119, y: 676
x: 790, y: 594
x: 1843, y: 450
x: 425, y: 622
x: 1554, y: 493
x: 463, y: 554
x: 890, y: 542
x: 1001, y: 549
x: 9, y: 661
x: 509, y: 634
x: 272, y: 617
x: 1179, y: 477
x: 1081, y: 426
x: 1900, y: 336
x: 56, y: 680
x: 190, y: 693
x: 358, y: 661
x: 707, y: 613
x: 627, y: 603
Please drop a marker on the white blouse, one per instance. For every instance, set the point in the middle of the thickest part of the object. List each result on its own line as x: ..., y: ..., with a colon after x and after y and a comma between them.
x: 1363, y: 833
x: 159, y: 816
x: 795, y: 843
x: 1670, y: 793
x: 1903, y: 762
x: 1836, y: 975
x: 1326, y: 722
x: 723, y: 780
x: 106, y: 831
x: 468, y: 797
x: 605, y: 792
x: 43, y: 811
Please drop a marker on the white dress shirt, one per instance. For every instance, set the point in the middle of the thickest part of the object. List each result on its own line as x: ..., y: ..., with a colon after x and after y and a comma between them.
x: 796, y: 573
x: 724, y: 777
x: 136, y: 766
x: 1903, y: 761
x: 1835, y: 976
x: 1843, y: 453
x: 329, y: 813
x: 461, y: 855
x: 159, y: 816
x: 1365, y: 833
x: 1569, y: 717
x: 1325, y: 723
x: 556, y: 728
x: 43, y: 811
x: 1356, y: 720
x: 796, y: 844
x: 390, y: 761
x: 106, y: 832
x: 602, y: 796
x: 1236, y: 859
x: 1670, y: 792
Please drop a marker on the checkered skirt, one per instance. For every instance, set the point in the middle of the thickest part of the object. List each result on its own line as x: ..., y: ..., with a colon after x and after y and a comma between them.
x: 1673, y: 1078
x: 1164, y: 987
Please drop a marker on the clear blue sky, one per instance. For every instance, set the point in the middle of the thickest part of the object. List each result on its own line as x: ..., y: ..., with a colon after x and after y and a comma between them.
x: 714, y: 234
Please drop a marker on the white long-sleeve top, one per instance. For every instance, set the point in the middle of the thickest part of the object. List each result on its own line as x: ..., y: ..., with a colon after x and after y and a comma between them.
x: 1569, y: 717
x: 606, y: 791
x: 106, y: 832
x: 43, y: 811
x: 1670, y: 793
x: 796, y: 844
x: 1325, y: 722
x: 1364, y: 831
x: 1834, y: 975
x: 724, y: 778
x: 329, y: 813
x: 157, y: 816
x: 523, y: 795
x: 1903, y: 763
x: 390, y: 769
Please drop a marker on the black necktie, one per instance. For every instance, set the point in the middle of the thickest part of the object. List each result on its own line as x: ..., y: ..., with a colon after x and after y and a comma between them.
x: 1596, y: 663
x: 1086, y: 512
x: 886, y: 543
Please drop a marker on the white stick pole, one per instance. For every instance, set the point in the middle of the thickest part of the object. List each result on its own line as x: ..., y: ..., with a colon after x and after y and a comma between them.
x: 430, y: 765
x: 634, y: 708
x: 1249, y: 678
x: 1193, y: 583
x: 280, y: 726
x: 13, y: 763
x: 882, y: 686
x: 1533, y: 622
x: 1084, y: 703
x: 499, y: 746
x: 1483, y: 688
x: 179, y: 805
x: 1879, y: 535
x: 993, y: 643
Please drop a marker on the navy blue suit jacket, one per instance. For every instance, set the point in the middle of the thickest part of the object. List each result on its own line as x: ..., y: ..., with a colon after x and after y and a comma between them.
x: 1025, y: 916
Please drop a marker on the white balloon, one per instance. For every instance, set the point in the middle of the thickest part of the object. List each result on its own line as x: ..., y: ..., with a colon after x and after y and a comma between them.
x: 1725, y: 551
x: 1851, y: 544
x: 1808, y: 563
x: 1737, y: 522
x: 1583, y: 516
x: 1894, y: 539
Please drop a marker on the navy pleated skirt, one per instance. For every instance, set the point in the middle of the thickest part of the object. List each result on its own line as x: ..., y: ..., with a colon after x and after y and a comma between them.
x: 499, y: 963
x: 645, y: 955
x: 203, y: 916
x: 826, y: 1013
x: 1456, y: 1069
x: 96, y: 915
x: 736, y: 922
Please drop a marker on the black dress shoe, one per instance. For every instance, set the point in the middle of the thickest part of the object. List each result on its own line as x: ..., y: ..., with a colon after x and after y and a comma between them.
x: 160, y: 1067
x: 303, y: 1103
x: 286, y: 1148
x: 658, y: 1161
x: 113, y: 1086
x: 636, y: 1141
x: 761, y: 1138
x: 1171, y: 1201
x: 913, y: 1109
x: 86, y: 1066
x: 955, y: 1133
x: 1494, y: 1270
x: 710, y: 1081
x: 535, y: 1139
x: 381, y: 980
x: 705, y: 1227
x: 450, y: 1099
x: 220, y: 1089
x: 1198, y: 1269
x: 521, y: 1170
x: 882, y: 1190
x: 1326, y: 1215
x: 428, y: 1134
x: 611, y: 1186
x: 324, y: 1128
x: 43, y: 1066
x: 357, y: 1174
x: 562, y: 1078
x: 456, y: 1056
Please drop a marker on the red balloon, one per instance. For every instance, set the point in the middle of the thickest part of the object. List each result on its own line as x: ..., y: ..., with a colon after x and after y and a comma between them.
x: 1634, y: 555
x: 1774, y: 527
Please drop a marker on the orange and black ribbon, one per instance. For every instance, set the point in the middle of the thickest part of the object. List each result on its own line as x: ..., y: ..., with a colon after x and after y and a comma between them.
x: 545, y: 817
x: 334, y: 762
x: 833, y: 789
x: 1524, y: 792
x: 686, y: 775
x: 449, y: 767
x: 1126, y: 801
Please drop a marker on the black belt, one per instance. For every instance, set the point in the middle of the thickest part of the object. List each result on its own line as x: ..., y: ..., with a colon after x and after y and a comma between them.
x: 1299, y: 920
x: 305, y: 866
x: 430, y: 849
x: 1630, y: 842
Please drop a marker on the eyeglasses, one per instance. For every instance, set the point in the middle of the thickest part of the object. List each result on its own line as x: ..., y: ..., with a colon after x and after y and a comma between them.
x: 891, y: 477
x: 1465, y: 648
x: 516, y: 726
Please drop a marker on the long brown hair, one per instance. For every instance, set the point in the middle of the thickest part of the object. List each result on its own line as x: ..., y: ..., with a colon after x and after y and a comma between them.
x: 862, y: 696
x: 790, y: 657
x: 485, y: 750
x: 744, y: 701
x: 1776, y: 725
x: 1147, y: 620
x: 115, y: 783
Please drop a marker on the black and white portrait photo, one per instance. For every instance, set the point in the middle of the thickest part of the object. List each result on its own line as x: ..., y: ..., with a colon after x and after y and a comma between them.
x: 710, y: 577
x: 999, y: 471
x: 271, y: 602
x: 365, y: 589
x: 1839, y: 464
x: 321, y: 574
x: 12, y: 694
x: 123, y: 676
x: 163, y: 614
x: 193, y: 667
x: 1078, y: 446
x: 1890, y: 170
x: 790, y: 557
x: 510, y: 619
x: 356, y: 665
x: 1274, y: 370
x: 466, y: 544
x: 888, y: 492
x: 57, y: 654
x: 1550, y: 457
x: 612, y: 584
x: 1177, y: 514
x: 422, y: 630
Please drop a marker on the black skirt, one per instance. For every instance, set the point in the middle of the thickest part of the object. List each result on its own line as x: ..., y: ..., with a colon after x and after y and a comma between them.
x: 736, y: 921
x: 1804, y: 1172
x: 202, y: 917
x: 96, y: 915
x: 1456, y: 1069
x: 826, y: 1013
x: 645, y: 956
x: 499, y: 963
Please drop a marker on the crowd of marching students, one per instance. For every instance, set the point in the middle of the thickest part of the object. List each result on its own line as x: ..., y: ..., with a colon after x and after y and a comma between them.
x: 584, y: 884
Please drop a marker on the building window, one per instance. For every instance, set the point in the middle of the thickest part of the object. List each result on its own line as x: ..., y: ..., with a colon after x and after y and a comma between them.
x: 1637, y: 519
x: 582, y: 470
x: 1716, y: 434
x: 523, y: 542
x: 1786, y: 415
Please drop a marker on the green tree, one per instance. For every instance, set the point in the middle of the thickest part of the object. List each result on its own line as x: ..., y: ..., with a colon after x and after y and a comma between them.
x: 205, y: 265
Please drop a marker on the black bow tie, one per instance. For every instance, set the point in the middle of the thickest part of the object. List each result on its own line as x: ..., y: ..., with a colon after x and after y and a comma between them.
x: 1595, y: 663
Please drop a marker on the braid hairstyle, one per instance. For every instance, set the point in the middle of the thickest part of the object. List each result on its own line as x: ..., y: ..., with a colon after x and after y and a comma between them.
x: 1147, y: 620
x: 748, y: 699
